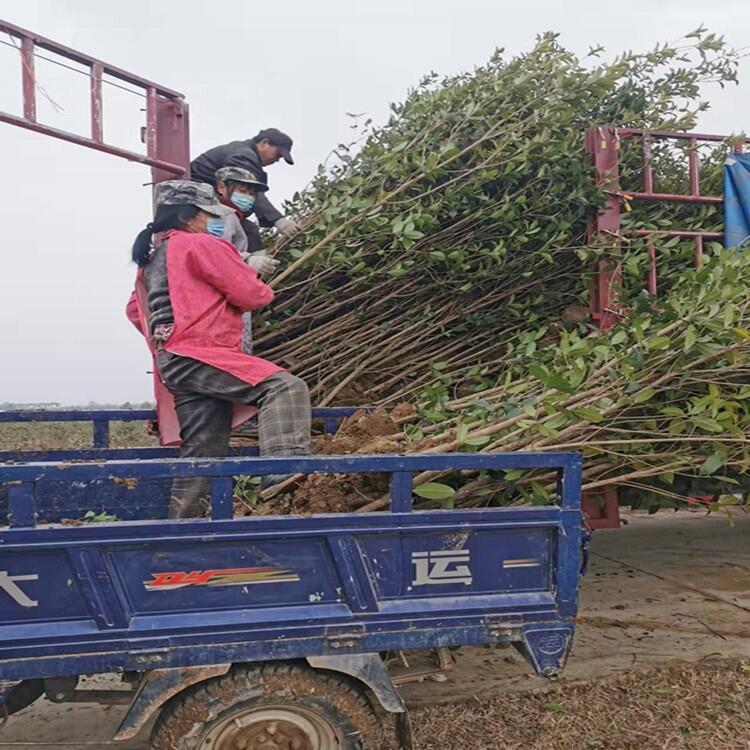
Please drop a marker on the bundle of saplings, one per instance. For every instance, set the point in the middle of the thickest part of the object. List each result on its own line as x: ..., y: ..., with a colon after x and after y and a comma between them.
x: 444, y: 263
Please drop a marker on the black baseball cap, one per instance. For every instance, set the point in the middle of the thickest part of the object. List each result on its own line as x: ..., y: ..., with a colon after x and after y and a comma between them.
x: 277, y: 138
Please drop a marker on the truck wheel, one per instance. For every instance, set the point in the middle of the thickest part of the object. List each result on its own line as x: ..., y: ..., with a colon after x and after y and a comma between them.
x: 271, y: 707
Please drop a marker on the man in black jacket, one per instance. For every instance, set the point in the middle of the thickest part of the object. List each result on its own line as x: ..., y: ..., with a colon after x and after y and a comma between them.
x: 264, y: 149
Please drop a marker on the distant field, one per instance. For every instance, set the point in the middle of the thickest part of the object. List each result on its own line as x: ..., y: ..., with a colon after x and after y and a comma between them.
x: 65, y: 435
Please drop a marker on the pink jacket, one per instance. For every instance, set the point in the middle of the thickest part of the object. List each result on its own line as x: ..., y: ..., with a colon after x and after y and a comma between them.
x: 209, y: 287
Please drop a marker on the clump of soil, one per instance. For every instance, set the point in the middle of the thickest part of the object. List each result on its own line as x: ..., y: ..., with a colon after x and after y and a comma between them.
x: 403, y: 412
x: 375, y: 432
x: 336, y: 493
x: 363, y: 432
x: 320, y: 493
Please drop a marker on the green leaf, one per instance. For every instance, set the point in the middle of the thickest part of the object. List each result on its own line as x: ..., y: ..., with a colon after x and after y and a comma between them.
x: 588, y: 413
x: 690, y: 339
x: 672, y: 411
x: 727, y: 480
x: 540, y: 373
x: 557, y: 421
x: 528, y: 408
x: 477, y: 442
x: 551, y: 380
x: 643, y: 395
x: 559, y: 383
x: 658, y: 343
x: 103, y: 517
x: 434, y: 491
x: 713, y: 463
x: 709, y: 425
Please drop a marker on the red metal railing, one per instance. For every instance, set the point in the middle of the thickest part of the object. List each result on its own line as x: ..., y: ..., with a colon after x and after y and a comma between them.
x: 603, y: 146
x: 166, y: 133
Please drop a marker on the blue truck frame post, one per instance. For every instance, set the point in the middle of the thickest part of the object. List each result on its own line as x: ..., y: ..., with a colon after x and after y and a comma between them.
x: 254, y: 632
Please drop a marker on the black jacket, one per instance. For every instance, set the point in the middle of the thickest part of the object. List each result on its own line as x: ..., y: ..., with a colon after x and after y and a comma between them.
x: 236, y: 154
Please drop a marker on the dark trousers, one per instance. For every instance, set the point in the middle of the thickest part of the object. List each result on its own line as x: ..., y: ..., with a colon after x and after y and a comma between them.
x: 254, y: 242
x: 203, y: 400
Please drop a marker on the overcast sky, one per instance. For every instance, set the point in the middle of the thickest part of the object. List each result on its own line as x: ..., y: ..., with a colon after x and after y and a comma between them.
x: 69, y: 214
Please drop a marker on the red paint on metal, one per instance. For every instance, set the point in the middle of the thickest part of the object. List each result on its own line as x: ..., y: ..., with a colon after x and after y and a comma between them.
x: 648, y: 172
x: 651, y: 281
x: 602, y: 146
x: 173, y: 169
x: 151, y: 139
x: 84, y: 59
x: 167, y: 132
x: 693, y: 166
x: 670, y: 135
x: 669, y: 197
x: 97, y: 128
x: 698, y: 251
x: 173, y: 142
x: 602, y: 509
x: 28, y: 79
x: 687, y: 234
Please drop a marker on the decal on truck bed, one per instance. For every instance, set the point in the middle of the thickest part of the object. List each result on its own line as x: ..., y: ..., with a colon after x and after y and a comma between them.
x: 220, y: 577
x: 441, y: 566
x: 19, y: 596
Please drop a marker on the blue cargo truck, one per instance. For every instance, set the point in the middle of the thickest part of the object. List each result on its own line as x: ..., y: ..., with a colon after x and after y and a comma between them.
x: 266, y: 632
x: 260, y: 632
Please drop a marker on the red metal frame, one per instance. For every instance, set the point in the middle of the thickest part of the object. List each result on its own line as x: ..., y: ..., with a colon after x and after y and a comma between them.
x: 603, y: 147
x: 601, y: 509
x: 604, y: 227
x: 166, y: 132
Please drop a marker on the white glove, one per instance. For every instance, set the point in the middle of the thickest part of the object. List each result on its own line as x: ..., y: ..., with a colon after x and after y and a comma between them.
x: 261, y: 263
x: 286, y: 227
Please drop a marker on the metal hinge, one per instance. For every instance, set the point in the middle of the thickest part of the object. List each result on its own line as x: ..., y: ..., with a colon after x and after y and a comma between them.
x: 498, y: 627
x: 344, y: 640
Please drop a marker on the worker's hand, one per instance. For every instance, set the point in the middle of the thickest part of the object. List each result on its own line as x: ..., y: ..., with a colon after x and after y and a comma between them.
x: 261, y: 263
x: 286, y: 227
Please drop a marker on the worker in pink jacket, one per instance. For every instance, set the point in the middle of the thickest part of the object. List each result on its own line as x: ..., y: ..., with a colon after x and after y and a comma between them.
x: 191, y: 290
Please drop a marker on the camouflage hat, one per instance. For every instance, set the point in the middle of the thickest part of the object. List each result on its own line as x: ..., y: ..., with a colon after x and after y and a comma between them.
x: 238, y: 174
x: 187, y: 192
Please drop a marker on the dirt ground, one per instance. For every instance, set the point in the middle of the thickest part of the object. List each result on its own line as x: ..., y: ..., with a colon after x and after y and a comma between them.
x: 701, y: 707
x: 661, y: 660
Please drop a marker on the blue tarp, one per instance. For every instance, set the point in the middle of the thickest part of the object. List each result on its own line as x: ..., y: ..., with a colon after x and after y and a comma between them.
x: 737, y: 200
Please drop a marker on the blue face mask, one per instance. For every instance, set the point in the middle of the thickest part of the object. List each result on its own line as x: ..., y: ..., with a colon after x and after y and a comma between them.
x: 244, y: 202
x: 215, y: 227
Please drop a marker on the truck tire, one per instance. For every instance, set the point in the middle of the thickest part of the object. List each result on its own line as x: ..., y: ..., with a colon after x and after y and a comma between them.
x: 269, y: 707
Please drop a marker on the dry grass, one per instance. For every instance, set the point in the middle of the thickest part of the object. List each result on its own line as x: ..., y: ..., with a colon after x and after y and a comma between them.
x: 704, y: 707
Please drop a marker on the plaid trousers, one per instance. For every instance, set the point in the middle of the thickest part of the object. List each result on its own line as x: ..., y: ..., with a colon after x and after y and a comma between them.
x: 203, y: 400
x: 247, y: 332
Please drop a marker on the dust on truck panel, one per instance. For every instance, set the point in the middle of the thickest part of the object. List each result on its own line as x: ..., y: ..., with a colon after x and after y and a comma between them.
x: 69, y: 597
